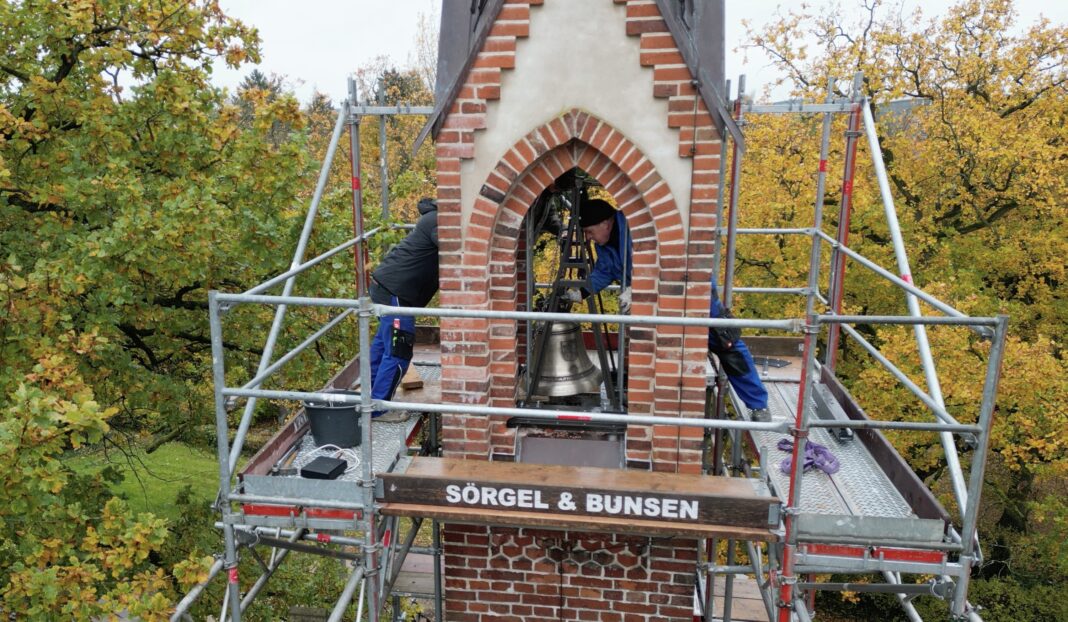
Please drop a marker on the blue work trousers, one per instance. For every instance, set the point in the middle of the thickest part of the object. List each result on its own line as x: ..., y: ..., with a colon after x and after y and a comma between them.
x: 387, y: 369
x: 748, y: 386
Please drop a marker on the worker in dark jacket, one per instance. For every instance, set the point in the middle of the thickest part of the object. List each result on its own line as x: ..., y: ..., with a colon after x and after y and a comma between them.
x: 407, y: 277
x: 737, y: 362
x: 606, y: 227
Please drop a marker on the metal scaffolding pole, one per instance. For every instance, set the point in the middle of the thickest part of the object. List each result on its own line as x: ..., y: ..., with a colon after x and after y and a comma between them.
x: 222, y: 431
x: 788, y: 576
x: 360, y: 252
x: 949, y: 445
x: 732, y: 210
x: 383, y: 154
x: 836, y: 284
x: 298, y: 257
x: 371, y: 547
x: 959, y: 604
x: 817, y: 211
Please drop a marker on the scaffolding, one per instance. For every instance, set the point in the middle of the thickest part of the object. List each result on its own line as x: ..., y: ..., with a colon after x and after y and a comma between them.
x: 287, y: 514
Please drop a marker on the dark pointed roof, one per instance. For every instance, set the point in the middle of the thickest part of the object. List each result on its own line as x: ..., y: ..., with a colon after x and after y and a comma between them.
x: 696, y: 25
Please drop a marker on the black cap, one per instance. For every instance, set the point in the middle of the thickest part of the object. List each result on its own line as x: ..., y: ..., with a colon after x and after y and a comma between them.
x: 594, y: 212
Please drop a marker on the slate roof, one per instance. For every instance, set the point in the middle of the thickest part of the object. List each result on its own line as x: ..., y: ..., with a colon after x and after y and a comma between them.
x: 696, y: 25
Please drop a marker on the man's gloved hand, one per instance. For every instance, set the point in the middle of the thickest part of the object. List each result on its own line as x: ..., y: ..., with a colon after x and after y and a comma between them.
x: 573, y: 294
x: 624, y: 301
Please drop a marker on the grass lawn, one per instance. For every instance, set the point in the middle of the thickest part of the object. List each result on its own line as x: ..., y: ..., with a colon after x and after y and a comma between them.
x: 151, y: 481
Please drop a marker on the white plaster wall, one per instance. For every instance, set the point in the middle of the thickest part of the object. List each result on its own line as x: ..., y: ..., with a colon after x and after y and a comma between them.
x: 578, y: 55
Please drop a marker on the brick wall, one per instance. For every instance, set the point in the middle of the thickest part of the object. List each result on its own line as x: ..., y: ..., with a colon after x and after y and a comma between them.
x: 497, y: 573
x: 501, y: 574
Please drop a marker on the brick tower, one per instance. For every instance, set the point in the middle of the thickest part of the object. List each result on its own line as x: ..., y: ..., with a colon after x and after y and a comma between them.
x: 625, y: 90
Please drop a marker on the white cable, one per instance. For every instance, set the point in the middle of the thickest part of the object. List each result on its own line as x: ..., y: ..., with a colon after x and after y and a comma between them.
x: 348, y: 454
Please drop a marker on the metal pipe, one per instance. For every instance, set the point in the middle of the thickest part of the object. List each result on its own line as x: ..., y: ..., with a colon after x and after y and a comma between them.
x: 896, y: 425
x: 728, y: 584
x: 325, y: 538
x: 817, y: 211
x: 772, y: 230
x: 383, y: 156
x: 289, y: 356
x: 905, y: 320
x: 928, y: 589
x: 836, y: 282
x: 902, y: 599
x: 355, y: 170
x: 717, y: 241
x: 190, y: 598
x: 732, y: 212
x: 978, y: 470
x: 276, y: 561
x: 359, y: 603
x: 939, y: 411
x: 710, y: 585
x: 398, y: 560
x: 346, y: 595
x: 371, y: 557
x: 801, y: 609
x: 800, y: 434
x: 218, y: 369
x: 390, y: 110
x: 799, y: 107
x: 772, y: 290
x: 529, y: 413
x: 280, y: 312
x: 290, y: 544
x: 789, y: 325
x: 889, y: 276
x: 929, y: 371
x: 312, y: 262
x: 758, y: 574
x: 439, y: 606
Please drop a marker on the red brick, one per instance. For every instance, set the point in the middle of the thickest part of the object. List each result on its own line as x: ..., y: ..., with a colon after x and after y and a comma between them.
x: 637, y: 27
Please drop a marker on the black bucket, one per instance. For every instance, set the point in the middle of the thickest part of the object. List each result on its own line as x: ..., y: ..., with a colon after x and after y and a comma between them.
x: 334, y: 424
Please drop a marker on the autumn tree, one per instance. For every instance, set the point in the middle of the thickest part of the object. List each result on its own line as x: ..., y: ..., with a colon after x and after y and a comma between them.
x: 978, y: 176
x: 128, y: 189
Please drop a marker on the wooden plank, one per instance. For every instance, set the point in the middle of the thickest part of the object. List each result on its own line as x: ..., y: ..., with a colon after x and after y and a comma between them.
x: 746, y: 604
x: 411, y: 379
x: 478, y: 516
x: 571, y: 494
x: 590, y: 477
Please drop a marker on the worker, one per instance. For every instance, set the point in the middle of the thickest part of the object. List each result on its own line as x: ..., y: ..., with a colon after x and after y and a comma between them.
x: 607, y: 228
x: 406, y: 277
x: 737, y: 362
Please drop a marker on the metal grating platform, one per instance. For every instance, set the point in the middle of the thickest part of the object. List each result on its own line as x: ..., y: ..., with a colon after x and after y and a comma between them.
x: 859, y: 501
x: 388, y: 443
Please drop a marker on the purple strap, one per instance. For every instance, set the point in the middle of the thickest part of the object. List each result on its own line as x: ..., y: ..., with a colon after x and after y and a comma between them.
x: 816, y: 456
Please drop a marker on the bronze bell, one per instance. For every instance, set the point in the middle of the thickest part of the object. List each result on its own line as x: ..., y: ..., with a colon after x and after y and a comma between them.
x: 567, y: 369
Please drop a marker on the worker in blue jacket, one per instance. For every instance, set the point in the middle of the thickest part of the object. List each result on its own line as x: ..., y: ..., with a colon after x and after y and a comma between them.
x: 607, y: 228
x: 406, y: 277
x: 737, y: 362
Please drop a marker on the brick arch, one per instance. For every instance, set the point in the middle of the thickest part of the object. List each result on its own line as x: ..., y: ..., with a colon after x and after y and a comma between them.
x: 578, y: 139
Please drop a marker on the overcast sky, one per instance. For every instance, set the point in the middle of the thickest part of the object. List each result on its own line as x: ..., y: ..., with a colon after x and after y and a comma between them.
x: 315, y: 44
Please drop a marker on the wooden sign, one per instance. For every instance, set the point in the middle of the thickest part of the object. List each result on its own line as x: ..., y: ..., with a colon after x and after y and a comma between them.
x: 498, y: 488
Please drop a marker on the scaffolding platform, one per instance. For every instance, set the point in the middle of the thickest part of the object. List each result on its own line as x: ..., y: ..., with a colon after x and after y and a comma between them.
x: 274, y: 471
x: 874, y: 498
